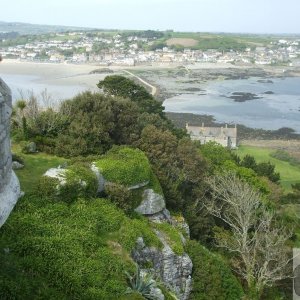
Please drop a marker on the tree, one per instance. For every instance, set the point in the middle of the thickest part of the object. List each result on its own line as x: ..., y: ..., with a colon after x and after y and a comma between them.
x: 121, y: 86
x: 260, y: 256
x: 96, y: 122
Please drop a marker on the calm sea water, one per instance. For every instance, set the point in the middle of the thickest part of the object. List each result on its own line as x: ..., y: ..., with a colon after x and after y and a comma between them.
x: 281, y: 109
x: 24, y: 84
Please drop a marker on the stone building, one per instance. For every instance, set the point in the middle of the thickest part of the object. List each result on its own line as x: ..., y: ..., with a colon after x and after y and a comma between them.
x: 226, y: 136
x: 9, y: 183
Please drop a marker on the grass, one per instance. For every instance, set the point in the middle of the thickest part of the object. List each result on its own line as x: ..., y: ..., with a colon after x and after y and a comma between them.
x: 289, y: 174
x: 35, y: 166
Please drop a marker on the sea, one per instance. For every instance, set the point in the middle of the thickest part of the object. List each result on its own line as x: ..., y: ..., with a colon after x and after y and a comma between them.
x: 24, y: 85
x: 271, y: 111
x: 279, y: 107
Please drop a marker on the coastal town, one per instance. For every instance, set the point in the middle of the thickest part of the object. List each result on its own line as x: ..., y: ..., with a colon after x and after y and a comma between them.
x: 130, y: 49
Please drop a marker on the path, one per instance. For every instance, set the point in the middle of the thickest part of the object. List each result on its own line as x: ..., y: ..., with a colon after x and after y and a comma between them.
x: 153, y: 88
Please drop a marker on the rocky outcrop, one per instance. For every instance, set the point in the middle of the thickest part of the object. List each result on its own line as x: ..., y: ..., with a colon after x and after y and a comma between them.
x: 100, y: 178
x: 57, y: 173
x: 151, y: 204
x: 9, y: 183
x: 173, y: 270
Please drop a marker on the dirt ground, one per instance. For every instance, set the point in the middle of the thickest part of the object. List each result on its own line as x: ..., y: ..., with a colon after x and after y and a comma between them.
x: 183, y: 42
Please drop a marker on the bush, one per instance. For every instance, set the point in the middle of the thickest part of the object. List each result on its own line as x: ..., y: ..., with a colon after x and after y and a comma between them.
x: 57, y: 250
x: 17, y: 158
x: 285, y: 156
x: 120, y: 195
x: 80, y: 181
x: 47, y: 188
x: 212, y: 278
x: 124, y: 165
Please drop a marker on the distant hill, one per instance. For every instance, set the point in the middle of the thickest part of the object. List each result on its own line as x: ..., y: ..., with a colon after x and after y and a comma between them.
x: 27, y: 28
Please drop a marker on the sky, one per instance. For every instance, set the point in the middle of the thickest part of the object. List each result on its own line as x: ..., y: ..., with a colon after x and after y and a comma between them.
x: 243, y: 16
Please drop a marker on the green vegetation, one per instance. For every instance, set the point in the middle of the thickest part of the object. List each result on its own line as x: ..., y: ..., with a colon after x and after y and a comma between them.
x: 76, y: 181
x: 212, y: 277
x: 78, y: 247
x: 290, y: 174
x: 125, y: 166
x: 77, y: 250
x: 139, y: 284
x: 285, y: 156
x: 35, y: 166
x: 172, y: 236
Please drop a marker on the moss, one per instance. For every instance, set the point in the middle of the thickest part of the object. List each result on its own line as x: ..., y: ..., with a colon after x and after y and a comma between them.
x: 125, y: 166
x: 172, y: 236
x: 154, y: 184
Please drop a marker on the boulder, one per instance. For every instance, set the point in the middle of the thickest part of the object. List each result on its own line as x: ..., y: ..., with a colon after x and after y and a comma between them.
x: 57, y: 173
x: 9, y: 197
x: 151, y: 204
x: 100, y: 178
x: 30, y: 148
x: 16, y: 165
x: 173, y: 270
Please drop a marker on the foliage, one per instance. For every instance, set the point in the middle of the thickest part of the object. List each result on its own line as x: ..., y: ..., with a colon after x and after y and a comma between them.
x: 216, y: 154
x: 120, y: 195
x: 124, y: 165
x: 249, y: 232
x: 78, y: 181
x: 177, y: 164
x: 172, y: 236
x: 68, y: 251
x: 96, y: 123
x: 126, y: 88
x: 212, y: 277
x: 289, y: 174
x: 262, y: 169
x: 140, y: 284
x: 285, y: 156
x: 18, y: 158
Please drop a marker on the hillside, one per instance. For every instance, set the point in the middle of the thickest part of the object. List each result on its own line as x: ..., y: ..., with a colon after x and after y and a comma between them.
x: 121, y: 204
x: 27, y: 28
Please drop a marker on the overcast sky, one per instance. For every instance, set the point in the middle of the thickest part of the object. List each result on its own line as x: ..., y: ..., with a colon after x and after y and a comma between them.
x: 255, y: 16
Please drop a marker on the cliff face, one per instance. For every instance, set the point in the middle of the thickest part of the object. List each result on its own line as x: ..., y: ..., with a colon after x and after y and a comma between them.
x: 9, y: 183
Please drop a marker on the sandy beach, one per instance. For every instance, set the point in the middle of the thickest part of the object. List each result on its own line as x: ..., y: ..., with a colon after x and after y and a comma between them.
x: 54, y: 74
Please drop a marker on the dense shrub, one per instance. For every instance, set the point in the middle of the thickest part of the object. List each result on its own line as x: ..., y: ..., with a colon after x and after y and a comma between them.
x: 285, y: 156
x: 79, y: 181
x: 212, y: 278
x: 17, y: 158
x: 126, y: 166
x: 55, y: 250
x: 120, y: 195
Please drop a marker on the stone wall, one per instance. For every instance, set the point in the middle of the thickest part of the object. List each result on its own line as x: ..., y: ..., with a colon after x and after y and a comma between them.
x: 9, y: 184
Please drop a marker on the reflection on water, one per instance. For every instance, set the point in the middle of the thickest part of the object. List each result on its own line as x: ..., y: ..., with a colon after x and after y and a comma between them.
x: 272, y: 111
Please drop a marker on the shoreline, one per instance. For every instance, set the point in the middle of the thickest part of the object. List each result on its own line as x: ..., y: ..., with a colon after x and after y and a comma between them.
x: 76, y: 78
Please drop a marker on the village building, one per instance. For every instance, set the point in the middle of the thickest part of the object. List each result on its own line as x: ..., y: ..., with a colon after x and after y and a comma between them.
x: 226, y: 136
